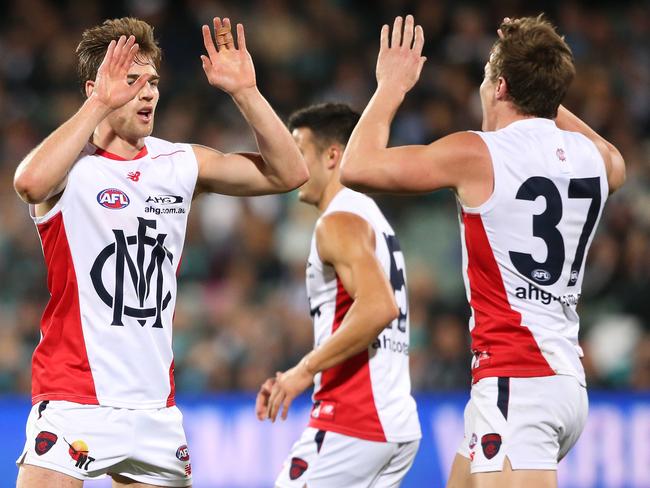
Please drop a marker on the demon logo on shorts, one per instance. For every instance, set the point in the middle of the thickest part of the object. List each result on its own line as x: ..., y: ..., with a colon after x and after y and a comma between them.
x: 491, y: 444
x: 44, y: 442
x: 298, y: 467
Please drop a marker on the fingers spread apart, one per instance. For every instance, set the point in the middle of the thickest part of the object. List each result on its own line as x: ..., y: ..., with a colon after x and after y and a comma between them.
x: 405, y: 34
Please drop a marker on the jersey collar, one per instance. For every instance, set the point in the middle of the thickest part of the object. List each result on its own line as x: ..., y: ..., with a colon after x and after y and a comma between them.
x: 107, y: 154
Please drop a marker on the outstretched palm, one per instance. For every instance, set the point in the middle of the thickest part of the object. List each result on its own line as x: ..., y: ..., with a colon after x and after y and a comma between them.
x: 111, y: 85
x: 227, y: 67
x: 399, y: 64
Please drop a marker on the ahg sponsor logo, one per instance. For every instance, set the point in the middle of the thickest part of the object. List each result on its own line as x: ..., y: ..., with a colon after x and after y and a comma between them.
x: 165, y: 199
x: 113, y: 198
x: 383, y: 342
x: 537, y: 294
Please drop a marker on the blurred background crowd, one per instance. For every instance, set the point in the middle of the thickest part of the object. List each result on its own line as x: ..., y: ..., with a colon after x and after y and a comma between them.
x: 242, y: 312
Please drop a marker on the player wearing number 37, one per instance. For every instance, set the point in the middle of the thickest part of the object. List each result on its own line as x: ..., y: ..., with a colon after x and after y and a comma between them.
x: 363, y: 429
x: 530, y: 187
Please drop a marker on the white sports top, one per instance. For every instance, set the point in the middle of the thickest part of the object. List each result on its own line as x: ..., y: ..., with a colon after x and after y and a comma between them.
x: 112, y: 246
x: 524, y: 250
x: 369, y: 395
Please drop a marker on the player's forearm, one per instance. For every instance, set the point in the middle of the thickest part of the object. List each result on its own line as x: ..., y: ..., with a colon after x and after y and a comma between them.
x: 364, y: 156
x: 614, y: 161
x: 566, y: 120
x: 285, y: 165
x: 362, y: 324
x: 46, y: 166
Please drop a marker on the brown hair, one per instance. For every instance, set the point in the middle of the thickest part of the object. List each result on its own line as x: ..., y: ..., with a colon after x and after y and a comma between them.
x: 94, y: 43
x: 536, y: 63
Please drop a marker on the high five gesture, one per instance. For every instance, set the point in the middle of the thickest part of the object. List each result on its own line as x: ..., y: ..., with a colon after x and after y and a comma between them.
x: 227, y: 67
x: 399, y: 63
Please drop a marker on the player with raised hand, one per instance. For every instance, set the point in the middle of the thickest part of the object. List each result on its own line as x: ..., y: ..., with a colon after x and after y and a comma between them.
x: 110, y: 203
x: 531, y: 188
x: 364, y: 429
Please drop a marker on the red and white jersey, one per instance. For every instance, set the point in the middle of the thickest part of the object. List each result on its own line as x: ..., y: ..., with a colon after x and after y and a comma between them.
x: 524, y: 250
x: 112, y: 246
x: 369, y: 395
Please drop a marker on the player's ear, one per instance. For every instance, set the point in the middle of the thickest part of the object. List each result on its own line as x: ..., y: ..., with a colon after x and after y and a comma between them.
x: 334, y: 154
x: 501, y: 89
x: 89, y: 87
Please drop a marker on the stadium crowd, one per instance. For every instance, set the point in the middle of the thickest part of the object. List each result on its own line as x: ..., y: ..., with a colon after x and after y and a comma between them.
x: 242, y: 312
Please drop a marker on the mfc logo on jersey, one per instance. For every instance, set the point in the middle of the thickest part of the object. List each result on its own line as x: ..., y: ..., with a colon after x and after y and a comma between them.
x: 145, y: 273
x: 113, y: 198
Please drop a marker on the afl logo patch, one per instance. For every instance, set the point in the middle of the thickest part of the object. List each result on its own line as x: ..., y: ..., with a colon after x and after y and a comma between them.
x: 540, y: 275
x: 113, y: 198
x: 182, y: 453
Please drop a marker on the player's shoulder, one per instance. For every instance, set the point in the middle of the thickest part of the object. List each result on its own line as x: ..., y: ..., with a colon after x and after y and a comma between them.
x: 342, y: 232
x: 157, y: 147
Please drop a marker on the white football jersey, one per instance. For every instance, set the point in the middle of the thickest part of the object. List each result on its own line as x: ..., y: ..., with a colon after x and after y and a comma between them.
x: 112, y: 247
x: 369, y: 395
x: 524, y: 250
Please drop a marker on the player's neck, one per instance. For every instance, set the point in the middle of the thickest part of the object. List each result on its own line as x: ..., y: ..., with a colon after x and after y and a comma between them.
x: 506, y: 117
x: 108, y: 140
x: 333, y: 187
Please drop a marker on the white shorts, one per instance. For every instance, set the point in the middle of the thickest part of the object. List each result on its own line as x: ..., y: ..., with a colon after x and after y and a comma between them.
x: 321, y: 459
x: 90, y: 441
x: 531, y: 421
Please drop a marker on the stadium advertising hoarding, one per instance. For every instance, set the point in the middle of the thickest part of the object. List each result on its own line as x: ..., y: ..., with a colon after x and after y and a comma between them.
x: 229, y: 448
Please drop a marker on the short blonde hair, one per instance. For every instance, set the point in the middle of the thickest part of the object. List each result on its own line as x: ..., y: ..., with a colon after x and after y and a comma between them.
x: 94, y: 43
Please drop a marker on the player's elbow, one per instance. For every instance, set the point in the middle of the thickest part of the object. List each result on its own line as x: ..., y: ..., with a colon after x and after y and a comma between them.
x: 387, y: 311
x: 295, y: 178
x: 300, y: 177
x: 28, y: 188
x: 617, y: 172
x: 352, y: 177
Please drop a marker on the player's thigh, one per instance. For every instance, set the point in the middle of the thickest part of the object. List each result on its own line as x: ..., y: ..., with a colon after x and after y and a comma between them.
x: 30, y: 476
x: 392, y: 474
x: 79, y: 441
x: 160, y: 455
x: 507, y: 477
x: 459, y: 476
x: 526, y: 420
x: 351, y: 462
x: 301, y: 459
x: 124, y: 482
x: 322, y: 459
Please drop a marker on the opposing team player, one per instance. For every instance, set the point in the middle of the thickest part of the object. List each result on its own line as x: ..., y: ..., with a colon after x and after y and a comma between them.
x: 531, y: 188
x: 364, y: 429
x: 110, y: 204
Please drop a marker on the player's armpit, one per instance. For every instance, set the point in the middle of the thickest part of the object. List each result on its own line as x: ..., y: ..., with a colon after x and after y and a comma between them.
x: 456, y: 161
x: 347, y: 242
x: 237, y: 174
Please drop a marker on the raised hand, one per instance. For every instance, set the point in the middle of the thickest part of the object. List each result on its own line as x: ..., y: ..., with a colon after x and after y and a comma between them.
x: 506, y: 22
x: 227, y: 67
x: 399, y: 63
x: 111, y: 86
